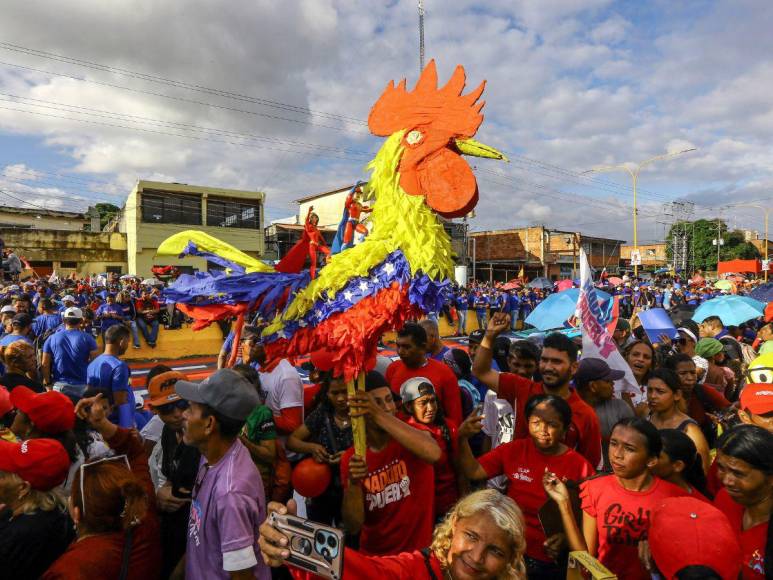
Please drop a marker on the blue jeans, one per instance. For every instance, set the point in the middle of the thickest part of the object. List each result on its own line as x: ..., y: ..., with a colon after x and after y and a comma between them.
x: 514, y: 318
x: 73, y: 392
x: 481, y: 316
x: 149, y: 330
x: 462, y: 314
x: 135, y: 335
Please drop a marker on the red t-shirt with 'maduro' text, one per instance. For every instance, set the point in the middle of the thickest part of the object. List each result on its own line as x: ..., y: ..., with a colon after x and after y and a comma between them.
x: 399, y: 493
x: 524, y: 466
x: 752, y: 540
x: 623, y: 520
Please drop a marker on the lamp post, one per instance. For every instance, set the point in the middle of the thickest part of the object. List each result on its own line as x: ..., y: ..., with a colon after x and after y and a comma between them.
x: 633, y: 170
x: 766, y: 211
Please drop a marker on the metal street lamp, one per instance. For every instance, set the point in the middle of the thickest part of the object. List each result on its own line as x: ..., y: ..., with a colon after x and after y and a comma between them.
x: 633, y: 170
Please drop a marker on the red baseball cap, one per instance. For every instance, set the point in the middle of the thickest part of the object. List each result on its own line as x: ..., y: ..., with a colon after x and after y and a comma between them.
x: 43, y: 463
x: 686, y: 531
x: 51, y: 412
x: 757, y: 398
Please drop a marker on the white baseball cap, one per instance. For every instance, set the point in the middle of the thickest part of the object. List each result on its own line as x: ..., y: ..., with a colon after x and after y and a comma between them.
x: 415, y: 388
x: 68, y: 298
x: 7, y: 308
x: 73, y: 312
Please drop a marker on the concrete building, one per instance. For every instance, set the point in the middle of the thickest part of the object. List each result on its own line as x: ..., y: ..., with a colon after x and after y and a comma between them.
x: 66, y: 252
x: 653, y: 256
x: 499, y: 255
x: 156, y: 210
x: 41, y: 219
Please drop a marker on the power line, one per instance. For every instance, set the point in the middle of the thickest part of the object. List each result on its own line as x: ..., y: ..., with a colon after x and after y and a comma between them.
x: 194, y: 137
x: 183, y: 99
x: 89, y: 111
x: 172, y: 82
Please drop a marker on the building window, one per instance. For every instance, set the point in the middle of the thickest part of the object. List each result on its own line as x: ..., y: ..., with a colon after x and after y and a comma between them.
x: 113, y: 269
x: 170, y: 208
x: 231, y: 213
x: 68, y: 264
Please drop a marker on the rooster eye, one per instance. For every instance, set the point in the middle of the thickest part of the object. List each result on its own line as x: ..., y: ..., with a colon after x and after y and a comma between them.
x: 414, y: 137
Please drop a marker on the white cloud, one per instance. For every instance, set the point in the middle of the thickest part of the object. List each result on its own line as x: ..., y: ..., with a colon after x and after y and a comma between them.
x: 573, y: 83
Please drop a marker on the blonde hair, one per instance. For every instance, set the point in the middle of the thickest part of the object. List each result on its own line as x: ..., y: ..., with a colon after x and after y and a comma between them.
x: 505, y: 513
x: 46, y: 501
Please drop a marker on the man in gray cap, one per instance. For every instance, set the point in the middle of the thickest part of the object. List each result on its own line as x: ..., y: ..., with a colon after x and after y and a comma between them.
x: 594, y: 381
x: 228, y: 501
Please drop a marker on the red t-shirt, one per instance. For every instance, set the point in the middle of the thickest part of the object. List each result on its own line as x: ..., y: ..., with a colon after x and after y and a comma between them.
x: 752, y: 540
x: 446, y: 487
x: 524, y: 466
x: 583, y: 435
x: 697, y: 410
x: 442, y: 378
x: 398, y: 489
x: 405, y: 566
x: 713, y: 483
x: 623, y: 519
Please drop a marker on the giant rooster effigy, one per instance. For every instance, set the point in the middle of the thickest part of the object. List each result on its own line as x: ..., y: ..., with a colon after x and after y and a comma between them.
x: 397, y: 273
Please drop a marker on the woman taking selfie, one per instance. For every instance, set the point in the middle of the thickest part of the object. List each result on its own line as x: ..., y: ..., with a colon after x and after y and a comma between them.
x: 616, y: 507
x: 482, y: 537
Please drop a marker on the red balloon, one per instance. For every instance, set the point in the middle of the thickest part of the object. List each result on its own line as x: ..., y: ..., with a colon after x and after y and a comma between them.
x: 311, y: 479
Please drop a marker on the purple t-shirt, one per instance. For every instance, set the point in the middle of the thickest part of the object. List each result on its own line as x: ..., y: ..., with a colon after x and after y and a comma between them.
x: 228, y: 507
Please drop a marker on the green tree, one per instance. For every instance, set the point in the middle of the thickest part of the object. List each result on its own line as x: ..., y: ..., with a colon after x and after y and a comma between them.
x: 701, y: 235
x: 106, y: 211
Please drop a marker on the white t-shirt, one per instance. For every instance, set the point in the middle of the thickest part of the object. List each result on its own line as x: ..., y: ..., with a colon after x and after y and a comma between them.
x: 152, y: 429
x: 283, y: 386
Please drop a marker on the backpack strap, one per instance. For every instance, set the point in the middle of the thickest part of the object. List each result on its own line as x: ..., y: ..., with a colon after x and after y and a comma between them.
x: 127, y: 552
x: 428, y: 564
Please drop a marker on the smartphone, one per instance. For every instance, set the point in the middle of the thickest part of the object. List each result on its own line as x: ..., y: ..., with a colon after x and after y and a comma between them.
x: 313, y: 547
x: 478, y: 410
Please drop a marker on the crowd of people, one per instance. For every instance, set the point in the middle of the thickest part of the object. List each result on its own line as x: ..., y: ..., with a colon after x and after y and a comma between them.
x: 490, y: 461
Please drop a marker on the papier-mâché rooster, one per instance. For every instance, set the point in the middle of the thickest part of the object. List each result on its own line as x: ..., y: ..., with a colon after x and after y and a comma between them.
x: 399, y: 271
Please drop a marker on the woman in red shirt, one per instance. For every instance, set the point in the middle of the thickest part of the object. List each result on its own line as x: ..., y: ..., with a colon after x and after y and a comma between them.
x: 745, y: 465
x: 113, y: 507
x: 524, y: 461
x: 481, y: 538
x: 420, y: 402
x: 616, y: 508
x: 680, y: 464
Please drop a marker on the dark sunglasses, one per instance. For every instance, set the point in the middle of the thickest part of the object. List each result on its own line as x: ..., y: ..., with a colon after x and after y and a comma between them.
x: 169, y: 407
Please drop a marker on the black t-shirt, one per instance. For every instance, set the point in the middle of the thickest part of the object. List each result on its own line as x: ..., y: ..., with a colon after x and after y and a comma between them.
x: 324, y: 430
x: 30, y: 543
x: 12, y: 380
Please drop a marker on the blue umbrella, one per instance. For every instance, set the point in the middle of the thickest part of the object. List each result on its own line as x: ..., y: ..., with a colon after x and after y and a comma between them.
x: 557, y: 308
x: 732, y: 309
x: 763, y: 293
x: 541, y: 283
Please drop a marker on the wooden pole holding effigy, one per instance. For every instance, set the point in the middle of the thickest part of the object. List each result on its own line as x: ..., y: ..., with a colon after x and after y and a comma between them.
x: 358, y: 423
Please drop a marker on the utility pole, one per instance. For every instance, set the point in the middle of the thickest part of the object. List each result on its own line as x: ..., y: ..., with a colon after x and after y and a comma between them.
x: 719, y: 242
x: 421, y: 36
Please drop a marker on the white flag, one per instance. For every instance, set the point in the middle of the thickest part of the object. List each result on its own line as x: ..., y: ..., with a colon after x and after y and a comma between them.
x: 596, y: 340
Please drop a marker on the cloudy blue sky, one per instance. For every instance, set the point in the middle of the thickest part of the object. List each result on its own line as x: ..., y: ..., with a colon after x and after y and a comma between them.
x: 273, y: 96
